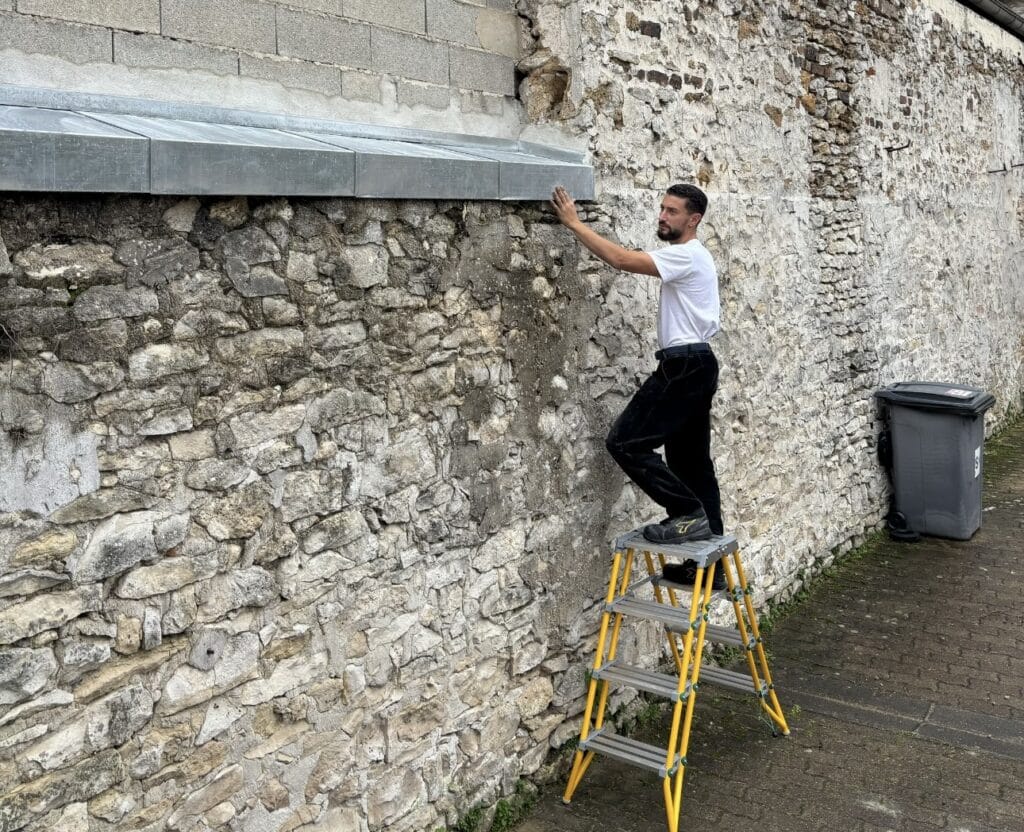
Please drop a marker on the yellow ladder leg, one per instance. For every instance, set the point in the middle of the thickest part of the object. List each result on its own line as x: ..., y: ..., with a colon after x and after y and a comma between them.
x: 613, y: 647
x: 581, y: 761
x: 702, y: 591
x: 672, y: 785
x: 746, y: 620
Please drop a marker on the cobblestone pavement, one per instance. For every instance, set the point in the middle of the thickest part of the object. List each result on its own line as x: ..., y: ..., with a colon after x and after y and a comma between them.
x: 903, y: 672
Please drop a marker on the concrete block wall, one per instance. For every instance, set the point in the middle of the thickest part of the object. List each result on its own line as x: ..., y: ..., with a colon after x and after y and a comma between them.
x: 442, y: 55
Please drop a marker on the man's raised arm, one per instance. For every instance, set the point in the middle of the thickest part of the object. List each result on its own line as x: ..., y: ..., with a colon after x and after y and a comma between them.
x: 638, y: 262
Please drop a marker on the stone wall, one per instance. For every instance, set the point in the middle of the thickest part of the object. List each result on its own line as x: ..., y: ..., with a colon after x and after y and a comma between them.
x: 280, y: 514
x: 439, y: 62
x: 864, y: 216
x: 307, y: 505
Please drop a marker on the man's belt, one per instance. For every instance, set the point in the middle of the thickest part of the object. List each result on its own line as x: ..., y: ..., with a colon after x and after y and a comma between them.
x: 682, y: 350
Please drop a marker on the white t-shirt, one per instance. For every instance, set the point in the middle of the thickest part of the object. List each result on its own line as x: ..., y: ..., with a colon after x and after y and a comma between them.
x: 688, y: 310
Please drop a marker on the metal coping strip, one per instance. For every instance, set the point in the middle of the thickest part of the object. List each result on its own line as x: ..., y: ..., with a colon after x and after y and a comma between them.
x: 54, y: 99
x: 148, y: 154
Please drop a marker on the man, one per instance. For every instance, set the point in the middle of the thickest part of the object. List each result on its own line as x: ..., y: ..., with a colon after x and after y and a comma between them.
x: 673, y: 407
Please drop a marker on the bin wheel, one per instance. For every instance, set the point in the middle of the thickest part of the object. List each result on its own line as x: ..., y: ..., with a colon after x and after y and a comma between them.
x: 899, y: 530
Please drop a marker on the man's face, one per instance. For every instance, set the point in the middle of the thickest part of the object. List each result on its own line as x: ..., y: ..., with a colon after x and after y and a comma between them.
x: 675, y: 218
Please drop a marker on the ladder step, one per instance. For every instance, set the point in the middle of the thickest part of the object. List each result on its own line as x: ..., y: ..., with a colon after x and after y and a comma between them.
x: 723, y: 635
x: 687, y: 588
x: 650, y: 757
x: 674, y: 618
x: 730, y: 679
x: 636, y: 677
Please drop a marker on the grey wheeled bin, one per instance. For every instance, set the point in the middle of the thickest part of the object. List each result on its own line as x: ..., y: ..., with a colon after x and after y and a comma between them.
x: 937, y: 434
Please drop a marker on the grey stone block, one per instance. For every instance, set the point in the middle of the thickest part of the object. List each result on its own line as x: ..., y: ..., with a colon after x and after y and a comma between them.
x: 398, y: 14
x: 361, y: 86
x: 454, y: 21
x: 319, y: 38
x: 409, y: 56
x: 498, y: 31
x: 328, y: 6
x: 474, y: 70
x: 412, y: 94
x: 291, y: 73
x: 475, y: 101
x: 79, y: 44
x: 6, y: 5
x: 242, y: 24
x: 163, y: 53
x: 134, y: 15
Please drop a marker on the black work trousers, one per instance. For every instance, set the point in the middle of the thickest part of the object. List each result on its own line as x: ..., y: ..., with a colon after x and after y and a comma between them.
x: 672, y: 409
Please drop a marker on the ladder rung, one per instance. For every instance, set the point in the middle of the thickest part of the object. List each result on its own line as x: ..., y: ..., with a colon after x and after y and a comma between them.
x: 730, y: 679
x: 687, y: 588
x: 675, y: 618
x: 723, y: 635
x: 605, y: 741
x: 636, y: 677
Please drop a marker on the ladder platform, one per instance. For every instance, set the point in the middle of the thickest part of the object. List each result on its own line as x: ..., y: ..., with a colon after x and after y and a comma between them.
x: 703, y: 552
x: 647, y: 680
x: 730, y: 679
x: 607, y: 742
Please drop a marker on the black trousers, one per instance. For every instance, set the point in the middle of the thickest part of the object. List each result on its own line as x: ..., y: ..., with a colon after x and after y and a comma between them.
x: 672, y: 409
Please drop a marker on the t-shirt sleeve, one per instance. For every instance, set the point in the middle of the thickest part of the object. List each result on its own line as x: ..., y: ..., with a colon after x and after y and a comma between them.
x: 673, y: 263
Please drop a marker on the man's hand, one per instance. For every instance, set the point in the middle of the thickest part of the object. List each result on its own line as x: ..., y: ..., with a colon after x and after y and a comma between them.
x: 638, y: 262
x: 564, y: 207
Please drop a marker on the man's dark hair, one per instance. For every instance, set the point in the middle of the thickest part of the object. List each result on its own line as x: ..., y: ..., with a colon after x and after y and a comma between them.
x: 696, y: 199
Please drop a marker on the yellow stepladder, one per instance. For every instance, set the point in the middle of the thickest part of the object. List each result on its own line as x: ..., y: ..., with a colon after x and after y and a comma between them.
x: 687, y: 632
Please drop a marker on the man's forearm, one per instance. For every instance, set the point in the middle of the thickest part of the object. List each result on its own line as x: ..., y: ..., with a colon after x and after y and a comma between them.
x: 637, y: 262
x: 611, y: 253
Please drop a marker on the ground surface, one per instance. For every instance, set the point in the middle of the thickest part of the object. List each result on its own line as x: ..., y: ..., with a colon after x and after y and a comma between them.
x: 904, y: 674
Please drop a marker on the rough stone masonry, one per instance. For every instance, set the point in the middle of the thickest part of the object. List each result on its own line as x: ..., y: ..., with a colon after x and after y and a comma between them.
x: 305, y: 503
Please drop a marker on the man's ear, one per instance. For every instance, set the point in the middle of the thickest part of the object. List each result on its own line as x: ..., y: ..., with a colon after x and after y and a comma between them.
x: 696, y: 219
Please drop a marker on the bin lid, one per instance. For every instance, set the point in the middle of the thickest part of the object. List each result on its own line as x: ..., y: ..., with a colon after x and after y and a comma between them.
x: 938, y: 395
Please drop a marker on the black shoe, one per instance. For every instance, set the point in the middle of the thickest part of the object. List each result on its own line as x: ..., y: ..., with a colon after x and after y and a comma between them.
x: 679, y: 529
x: 686, y: 573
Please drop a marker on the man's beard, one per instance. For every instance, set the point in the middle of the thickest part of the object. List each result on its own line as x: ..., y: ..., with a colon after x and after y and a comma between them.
x: 668, y: 233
